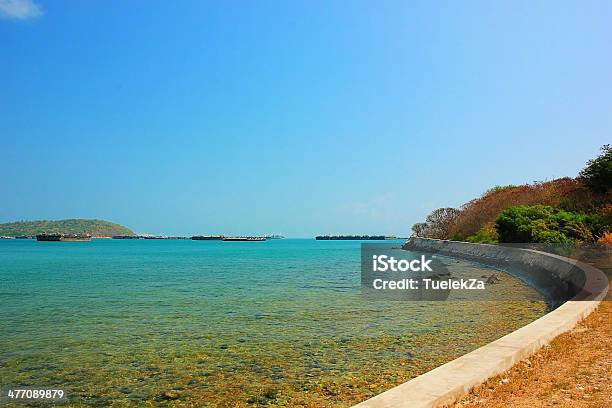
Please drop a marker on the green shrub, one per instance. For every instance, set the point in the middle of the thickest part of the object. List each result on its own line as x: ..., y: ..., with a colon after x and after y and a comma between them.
x: 600, y: 221
x: 579, y: 230
x: 514, y: 223
x: 548, y: 233
x: 542, y: 223
x: 485, y: 235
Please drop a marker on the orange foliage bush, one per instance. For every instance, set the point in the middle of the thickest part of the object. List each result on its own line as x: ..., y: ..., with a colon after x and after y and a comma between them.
x: 485, y: 209
x: 606, y: 238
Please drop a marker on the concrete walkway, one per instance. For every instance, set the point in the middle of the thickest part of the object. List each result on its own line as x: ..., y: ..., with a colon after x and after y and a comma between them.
x: 453, y: 380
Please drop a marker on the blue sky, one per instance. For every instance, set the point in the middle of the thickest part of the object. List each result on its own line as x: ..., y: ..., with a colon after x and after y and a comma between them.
x: 292, y: 117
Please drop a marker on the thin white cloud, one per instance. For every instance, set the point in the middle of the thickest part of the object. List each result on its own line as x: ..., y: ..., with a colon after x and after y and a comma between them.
x: 379, y: 207
x: 19, y: 9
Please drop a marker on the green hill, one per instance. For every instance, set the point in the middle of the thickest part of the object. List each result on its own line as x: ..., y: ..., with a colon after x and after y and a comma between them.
x: 96, y: 228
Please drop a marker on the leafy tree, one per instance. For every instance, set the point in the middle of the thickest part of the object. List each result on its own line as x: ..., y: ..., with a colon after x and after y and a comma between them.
x: 597, y: 175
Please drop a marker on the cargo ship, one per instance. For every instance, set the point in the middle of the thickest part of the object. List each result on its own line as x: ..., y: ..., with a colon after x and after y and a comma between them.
x: 76, y: 237
x: 208, y: 237
x: 64, y: 237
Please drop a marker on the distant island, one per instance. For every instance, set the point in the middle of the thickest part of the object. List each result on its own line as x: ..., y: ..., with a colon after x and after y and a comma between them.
x: 95, y: 228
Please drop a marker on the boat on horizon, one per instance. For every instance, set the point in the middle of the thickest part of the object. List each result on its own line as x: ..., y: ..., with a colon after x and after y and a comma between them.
x: 63, y: 237
x: 247, y: 239
x: 208, y: 237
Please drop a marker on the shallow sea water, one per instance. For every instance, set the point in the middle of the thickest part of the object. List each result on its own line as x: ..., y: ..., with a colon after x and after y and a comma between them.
x: 225, y: 324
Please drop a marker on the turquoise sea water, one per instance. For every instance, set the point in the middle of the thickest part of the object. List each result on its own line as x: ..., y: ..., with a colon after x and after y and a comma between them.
x: 210, y: 323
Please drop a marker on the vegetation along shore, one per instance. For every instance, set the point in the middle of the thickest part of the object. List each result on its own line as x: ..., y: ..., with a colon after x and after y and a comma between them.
x: 565, y: 210
x: 574, y: 370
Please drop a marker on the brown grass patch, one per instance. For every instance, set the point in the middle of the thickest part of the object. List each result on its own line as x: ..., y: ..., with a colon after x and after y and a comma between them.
x: 573, y: 371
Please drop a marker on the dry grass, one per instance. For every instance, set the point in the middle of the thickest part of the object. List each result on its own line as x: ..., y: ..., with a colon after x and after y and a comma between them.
x: 573, y: 371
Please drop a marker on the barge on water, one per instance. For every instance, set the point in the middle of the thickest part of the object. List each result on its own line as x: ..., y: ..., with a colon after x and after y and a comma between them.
x: 247, y: 239
x: 208, y: 237
x: 64, y: 237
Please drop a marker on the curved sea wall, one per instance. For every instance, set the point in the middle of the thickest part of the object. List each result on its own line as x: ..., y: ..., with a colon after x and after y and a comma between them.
x: 581, y: 286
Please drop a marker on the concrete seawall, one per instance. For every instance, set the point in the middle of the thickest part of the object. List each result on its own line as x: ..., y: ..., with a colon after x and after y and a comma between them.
x: 557, y: 277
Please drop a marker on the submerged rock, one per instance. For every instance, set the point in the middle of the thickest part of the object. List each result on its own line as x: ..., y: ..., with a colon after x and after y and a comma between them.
x: 493, y: 279
x: 168, y: 396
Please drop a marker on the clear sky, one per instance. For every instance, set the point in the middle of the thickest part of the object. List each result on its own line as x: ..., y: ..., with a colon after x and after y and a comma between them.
x: 301, y: 118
